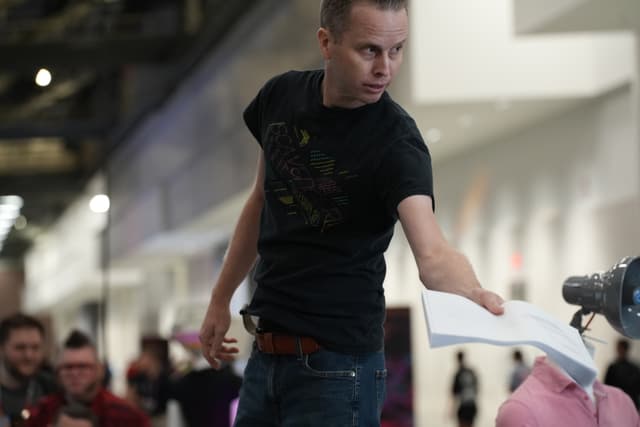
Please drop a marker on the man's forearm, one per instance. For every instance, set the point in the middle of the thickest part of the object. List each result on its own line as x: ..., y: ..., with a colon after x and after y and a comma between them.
x: 448, y: 270
x: 241, y: 253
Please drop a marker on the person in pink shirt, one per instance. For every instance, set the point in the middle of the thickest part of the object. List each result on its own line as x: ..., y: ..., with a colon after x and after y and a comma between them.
x: 550, y: 398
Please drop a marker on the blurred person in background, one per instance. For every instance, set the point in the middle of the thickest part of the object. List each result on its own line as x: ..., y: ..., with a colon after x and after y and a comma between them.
x: 76, y: 415
x: 340, y: 164
x: 22, y: 377
x: 80, y: 375
x: 519, y: 372
x: 149, y: 379
x: 465, y: 392
x: 623, y: 373
x: 204, y: 394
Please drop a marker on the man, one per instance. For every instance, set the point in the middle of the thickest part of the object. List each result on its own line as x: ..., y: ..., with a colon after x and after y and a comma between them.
x: 76, y: 415
x: 80, y: 376
x: 340, y: 164
x: 465, y: 392
x: 549, y: 397
x: 624, y: 374
x: 205, y: 395
x: 22, y: 380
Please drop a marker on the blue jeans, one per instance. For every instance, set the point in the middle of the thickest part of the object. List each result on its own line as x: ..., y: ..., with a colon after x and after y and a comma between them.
x: 323, y: 389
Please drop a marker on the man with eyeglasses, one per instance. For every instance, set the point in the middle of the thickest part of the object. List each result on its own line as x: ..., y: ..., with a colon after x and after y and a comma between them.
x: 22, y: 379
x: 80, y: 375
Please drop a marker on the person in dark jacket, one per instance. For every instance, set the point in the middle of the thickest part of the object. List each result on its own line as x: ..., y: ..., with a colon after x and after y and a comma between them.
x: 624, y: 373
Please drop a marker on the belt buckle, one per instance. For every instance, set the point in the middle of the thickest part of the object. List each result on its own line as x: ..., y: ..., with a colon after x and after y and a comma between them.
x: 248, y: 322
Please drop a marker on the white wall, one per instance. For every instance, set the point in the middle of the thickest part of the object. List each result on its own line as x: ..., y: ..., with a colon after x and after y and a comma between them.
x: 530, y: 14
x: 467, y: 51
x: 64, y: 258
x: 565, y: 195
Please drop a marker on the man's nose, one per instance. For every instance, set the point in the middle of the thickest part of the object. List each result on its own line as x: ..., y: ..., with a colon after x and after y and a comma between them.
x: 31, y: 354
x: 382, y: 65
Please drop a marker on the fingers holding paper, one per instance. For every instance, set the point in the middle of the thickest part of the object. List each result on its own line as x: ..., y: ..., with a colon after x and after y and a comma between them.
x: 489, y: 300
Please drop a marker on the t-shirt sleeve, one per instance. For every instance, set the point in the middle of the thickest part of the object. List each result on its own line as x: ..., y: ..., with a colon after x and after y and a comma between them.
x: 405, y: 170
x: 252, y: 116
x: 254, y: 113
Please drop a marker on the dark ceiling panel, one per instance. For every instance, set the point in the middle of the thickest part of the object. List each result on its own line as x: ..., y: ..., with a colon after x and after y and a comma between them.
x: 106, y: 53
x: 113, y: 62
x: 68, y: 128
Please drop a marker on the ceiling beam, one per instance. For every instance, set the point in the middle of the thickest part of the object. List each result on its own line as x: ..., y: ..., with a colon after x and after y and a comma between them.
x: 96, y: 54
x: 67, y: 128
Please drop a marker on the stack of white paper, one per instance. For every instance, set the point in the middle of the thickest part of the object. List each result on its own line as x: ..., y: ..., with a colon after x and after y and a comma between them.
x: 452, y: 319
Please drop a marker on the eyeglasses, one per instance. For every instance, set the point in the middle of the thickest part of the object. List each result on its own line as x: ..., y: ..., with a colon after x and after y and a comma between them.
x: 83, y: 367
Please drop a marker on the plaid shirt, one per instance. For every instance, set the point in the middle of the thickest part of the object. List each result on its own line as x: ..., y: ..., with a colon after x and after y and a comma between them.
x: 111, y: 411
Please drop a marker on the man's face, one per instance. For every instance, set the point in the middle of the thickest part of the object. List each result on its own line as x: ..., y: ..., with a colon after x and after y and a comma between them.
x: 361, y: 63
x: 80, y: 373
x: 67, y: 421
x: 23, y: 352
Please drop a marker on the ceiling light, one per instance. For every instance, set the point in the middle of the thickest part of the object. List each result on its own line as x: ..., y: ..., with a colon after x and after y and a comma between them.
x: 99, y: 203
x: 21, y: 223
x: 8, y: 213
x: 13, y: 201
x: 433, y: 135
x: 43, y: 77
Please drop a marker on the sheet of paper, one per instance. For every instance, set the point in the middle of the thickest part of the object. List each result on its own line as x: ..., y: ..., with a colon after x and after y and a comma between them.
x: 452, y: 319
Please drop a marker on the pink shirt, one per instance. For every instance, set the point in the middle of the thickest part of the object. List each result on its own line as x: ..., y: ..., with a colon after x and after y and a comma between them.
x: 548, y: 398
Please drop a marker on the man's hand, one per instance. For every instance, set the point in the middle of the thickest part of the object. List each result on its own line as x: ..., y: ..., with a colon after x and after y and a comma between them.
x: 212, y: 336
x: 489, y: 300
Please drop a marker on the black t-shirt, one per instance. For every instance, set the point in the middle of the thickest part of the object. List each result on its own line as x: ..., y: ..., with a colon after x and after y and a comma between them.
x: 333, y: 181
x: 465, y: 385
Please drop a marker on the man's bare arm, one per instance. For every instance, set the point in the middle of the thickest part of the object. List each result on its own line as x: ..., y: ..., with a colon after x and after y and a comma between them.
x: 440, y: 267
x: 238, y: 261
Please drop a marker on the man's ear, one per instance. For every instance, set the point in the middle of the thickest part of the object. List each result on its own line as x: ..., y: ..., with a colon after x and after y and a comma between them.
x: 324, y: 41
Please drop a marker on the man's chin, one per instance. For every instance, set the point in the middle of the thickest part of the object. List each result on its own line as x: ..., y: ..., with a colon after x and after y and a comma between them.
x: 84, y: 394
x: 24, y: 374
x: 371, y: 98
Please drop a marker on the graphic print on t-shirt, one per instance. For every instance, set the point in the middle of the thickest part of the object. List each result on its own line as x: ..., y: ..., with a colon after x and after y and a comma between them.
x: 306, y: 180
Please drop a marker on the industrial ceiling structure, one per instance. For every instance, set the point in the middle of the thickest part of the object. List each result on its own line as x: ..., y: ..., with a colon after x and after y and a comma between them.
x: 75, y: 77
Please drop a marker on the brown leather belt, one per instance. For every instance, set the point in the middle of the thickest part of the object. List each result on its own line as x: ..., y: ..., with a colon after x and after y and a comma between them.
x: 274, y: 343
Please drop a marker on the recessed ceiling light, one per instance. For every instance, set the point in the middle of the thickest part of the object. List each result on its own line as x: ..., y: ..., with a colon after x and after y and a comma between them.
x: 43, y: 77
x: 21, y: 223
x: 12, y: 200
x: 433, y: 135
x: 99, y: 203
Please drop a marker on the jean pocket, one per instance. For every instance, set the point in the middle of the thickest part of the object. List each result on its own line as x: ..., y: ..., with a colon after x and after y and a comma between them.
x: 328, y: 364
x: 381, y: 388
